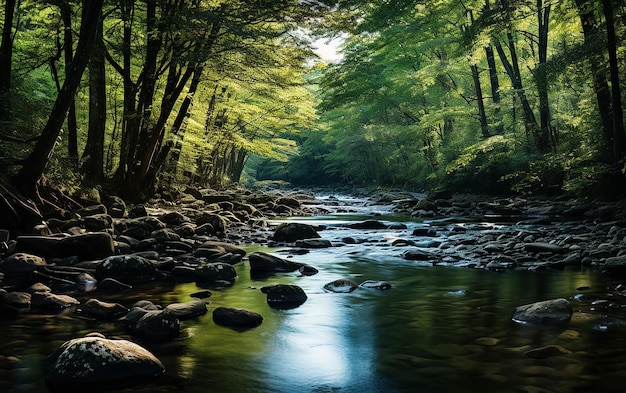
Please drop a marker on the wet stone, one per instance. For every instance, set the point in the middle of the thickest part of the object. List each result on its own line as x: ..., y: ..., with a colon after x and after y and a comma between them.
x: 549, y: 313
x: 187, y: 310
x: 93, y: 361
x: 379, y: 285
x: 341, y: 285
x: 284, y: 296
x: 102, y: 310
x: 238, y: 318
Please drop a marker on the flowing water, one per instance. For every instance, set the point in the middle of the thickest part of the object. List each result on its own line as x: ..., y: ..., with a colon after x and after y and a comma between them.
x: 438, y: 329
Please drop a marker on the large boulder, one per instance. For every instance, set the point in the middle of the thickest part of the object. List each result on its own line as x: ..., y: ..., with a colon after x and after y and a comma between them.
x: 292, y: 231
x: 129, y: 269
x: 548, y: 313
x: 284, y: 296
x: 94, y: 361
x: 237, y: 318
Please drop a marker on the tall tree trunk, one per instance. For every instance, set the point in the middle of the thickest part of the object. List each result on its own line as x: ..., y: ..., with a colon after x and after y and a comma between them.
x: 34, y: 165
x: 495, y: 87
x: 484, y: 128
x: 93, y: 156
x: 68, y: 42
x: 591, y: 34
x: 546, y: 135
x: 512, y: 70
x: 619, y: 138
x: 6, y: 57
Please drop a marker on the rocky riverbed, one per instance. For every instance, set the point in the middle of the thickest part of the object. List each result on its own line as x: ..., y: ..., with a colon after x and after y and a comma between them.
x: 71, y: 263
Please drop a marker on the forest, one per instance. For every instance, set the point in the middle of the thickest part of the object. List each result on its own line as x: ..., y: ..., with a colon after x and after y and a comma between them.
x: 135, y: 97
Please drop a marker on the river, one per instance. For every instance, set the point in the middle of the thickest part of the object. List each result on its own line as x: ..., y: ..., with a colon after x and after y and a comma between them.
x: 438, y: 329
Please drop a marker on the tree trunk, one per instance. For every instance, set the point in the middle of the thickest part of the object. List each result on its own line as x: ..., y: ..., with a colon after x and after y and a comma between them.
x: 93, y: 156
x: 547, y: 137
x: 68, y: 42
x: 591, y: 34
x: 34, y: 165
x: 484, y: 128
x: 619, y: 138
x: 6, y: 57
x: 495, y: 87
x: 512, y: 70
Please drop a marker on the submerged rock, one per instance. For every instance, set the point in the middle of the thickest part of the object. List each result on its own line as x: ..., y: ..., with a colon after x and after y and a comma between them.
x: 102, y: 310
x: 341, y: 285
x: 549, y: 313
x: 235, y: 317
x: 94, y: 361
x: 379, y: 285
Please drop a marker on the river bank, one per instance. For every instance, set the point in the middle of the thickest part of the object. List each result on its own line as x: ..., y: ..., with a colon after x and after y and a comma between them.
x: 201, y: 246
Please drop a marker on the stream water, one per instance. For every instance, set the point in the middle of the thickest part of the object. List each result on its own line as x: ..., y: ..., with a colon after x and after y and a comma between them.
x: 438, y: 329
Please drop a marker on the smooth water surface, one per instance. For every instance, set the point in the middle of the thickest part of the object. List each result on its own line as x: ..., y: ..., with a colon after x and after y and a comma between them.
x: 438, y: 329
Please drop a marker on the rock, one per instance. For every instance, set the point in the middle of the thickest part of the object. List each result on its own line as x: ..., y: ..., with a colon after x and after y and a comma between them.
x: 341, y: 285
x: 235, y: 317
x: 216, y: 221
x: 201, y: 294
x: 112, y: 285
x: 380, y: 285
x: 368, y: 224
x: 225, y: 246
x: 546, y: 352
x: 289, y: 202
x: 129, y: 269
x: 18, y: 268
x: 615, y: 266
x: 92, y: 210
x: 174, y: 219
x: 164, y: 235
x: 51, y: 301
x: 155, y: 325
x: 14, y: 301
x: 137, y: 211
x: 215, y: 274
x: 544, y: 247
x: 549, y: 313
x: 116, y: 206
x: 307, y: 270
x: 292, y: 231
x: 314, y: 243
x: 426, y: 205
x: 284, y: 296
x: 262, y: 263
x: 92, y: 362
x: 187, y: 310
x: 98, y: 222
x: 418, y: 255
x: 425, y: 231
x: 88, y: 246
x: 102, y: 310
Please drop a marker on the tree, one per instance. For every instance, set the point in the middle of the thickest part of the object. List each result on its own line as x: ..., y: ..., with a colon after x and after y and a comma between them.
x: 619, y: 138
x: 6, y: 58
x: 34, y: 165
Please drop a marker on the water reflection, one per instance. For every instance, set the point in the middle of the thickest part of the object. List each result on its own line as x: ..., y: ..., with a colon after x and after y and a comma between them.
x: 438, y: 329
